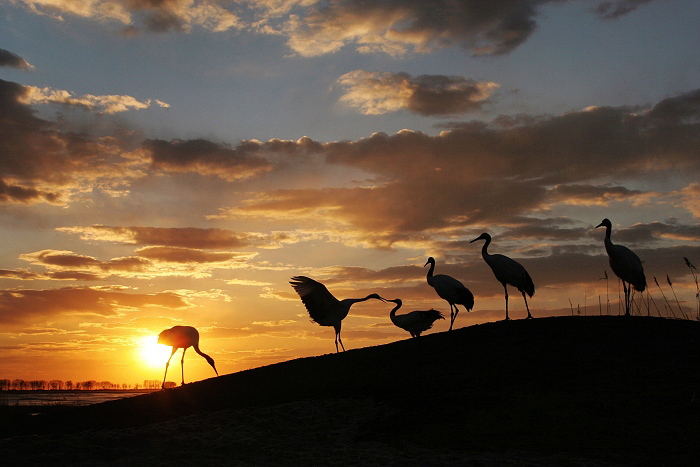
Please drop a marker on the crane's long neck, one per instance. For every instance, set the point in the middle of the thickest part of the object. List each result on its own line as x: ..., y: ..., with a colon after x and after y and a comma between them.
x: 392, y: 315
x: 206, y: 357
x: 608, y: 241
x: 484, y: 249
x: 351, y: 301
x: 431, y: 270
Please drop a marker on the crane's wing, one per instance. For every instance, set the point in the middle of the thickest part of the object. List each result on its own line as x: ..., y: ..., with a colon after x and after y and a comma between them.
x: 315, y: 296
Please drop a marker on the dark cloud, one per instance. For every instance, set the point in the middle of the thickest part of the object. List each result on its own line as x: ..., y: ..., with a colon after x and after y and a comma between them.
x: 184, y: 255
x: 38, y: 161
x: 546, y: 229
x: 207, y: 158
x: 616, y: 8
x: 163, y: 21
x: 485, y: 28
x: 35, y: 306
x: 189, y: 237
x: 19, y: 194
x: 392, y: 26
x: 9, y: 59
x: 183, y: 237
x: 66, y: 264
x: 591, y: 194
x: 657, y: 231
x: 673, y: 110
x: 447, y: 95
x: 21, y: 274
x: 378, y: 93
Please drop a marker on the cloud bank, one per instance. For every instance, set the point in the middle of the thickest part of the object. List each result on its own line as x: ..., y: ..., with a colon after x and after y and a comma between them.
x: 315, y: 27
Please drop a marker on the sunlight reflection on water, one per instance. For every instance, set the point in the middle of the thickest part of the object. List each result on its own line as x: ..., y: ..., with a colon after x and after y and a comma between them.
x: 76, y: 398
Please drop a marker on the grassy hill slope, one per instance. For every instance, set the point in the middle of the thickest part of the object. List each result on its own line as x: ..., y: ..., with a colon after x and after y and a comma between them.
x: 613, y: 389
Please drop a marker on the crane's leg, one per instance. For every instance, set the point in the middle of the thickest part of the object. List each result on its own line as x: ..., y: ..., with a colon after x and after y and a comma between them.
x: 182, y: 366
x: 505, y: 288
x: 167, y: 364
x: 627, y: 298
x: 452, y: 317
x: 338, y: 339
x: 529, y: 316
x: 341, y: 342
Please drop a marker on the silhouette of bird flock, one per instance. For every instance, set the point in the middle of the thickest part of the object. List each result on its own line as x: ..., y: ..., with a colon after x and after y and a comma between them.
x: 326, y: 310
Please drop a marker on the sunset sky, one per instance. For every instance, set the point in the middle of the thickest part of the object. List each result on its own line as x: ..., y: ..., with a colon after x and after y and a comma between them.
x: 176, y: 162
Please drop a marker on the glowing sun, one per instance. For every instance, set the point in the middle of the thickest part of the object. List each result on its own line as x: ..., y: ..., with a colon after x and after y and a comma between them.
x: 152, y: 353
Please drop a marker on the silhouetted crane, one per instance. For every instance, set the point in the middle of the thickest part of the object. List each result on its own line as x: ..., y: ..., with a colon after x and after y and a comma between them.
x: 625, y: 264
x: 508, y: 271
x: 323, y: 307
x: 450, y: 289
x: 414, y: 322
x: 182, y: 337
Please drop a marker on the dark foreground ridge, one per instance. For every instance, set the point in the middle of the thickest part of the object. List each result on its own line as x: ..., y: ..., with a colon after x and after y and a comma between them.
x: 607, y: 389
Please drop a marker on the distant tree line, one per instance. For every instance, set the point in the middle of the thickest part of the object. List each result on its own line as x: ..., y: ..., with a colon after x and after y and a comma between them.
x: 59, y: 385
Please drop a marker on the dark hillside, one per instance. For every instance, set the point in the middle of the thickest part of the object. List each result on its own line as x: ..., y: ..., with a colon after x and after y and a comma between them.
x: 612, y: 389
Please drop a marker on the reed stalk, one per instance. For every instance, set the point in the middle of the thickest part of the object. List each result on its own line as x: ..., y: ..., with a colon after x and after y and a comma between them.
x: 668, y: 279
x: 694, y: 272
x: 665, y: 299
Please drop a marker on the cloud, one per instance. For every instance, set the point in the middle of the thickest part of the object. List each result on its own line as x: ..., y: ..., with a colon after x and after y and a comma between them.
x: 207, y: 158
x: 183, y: 237
x: 21, y: 274
x: 155, y: 15
x: 593, y: 195
x: 26, y: 195
x: 30, y: 306
x: 657, y: 231
x: 313, y: 27
x: 110, y: 104
x: 378, y: 93
x: 185, y: 255
x: 9, y: 59
x: 393, y: 26
x: 42, y: 163
x: 616, y: 8
x: 147, y: 263
x: 485, y: 174
x: 397, y: 26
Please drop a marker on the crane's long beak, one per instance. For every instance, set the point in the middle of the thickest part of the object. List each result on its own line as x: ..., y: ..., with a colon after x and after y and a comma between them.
x: 599, y: 225
x: 478, y: 238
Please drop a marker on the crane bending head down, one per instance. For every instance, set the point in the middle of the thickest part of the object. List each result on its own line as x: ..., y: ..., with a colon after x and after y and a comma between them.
x: 182, y: 337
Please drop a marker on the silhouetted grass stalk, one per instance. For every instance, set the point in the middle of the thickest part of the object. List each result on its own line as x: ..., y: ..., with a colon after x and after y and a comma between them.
x: 693, y: 271
x: 651, y: 299
x: 665, y: 299
x: 607, y: 295
x: 668, y: 279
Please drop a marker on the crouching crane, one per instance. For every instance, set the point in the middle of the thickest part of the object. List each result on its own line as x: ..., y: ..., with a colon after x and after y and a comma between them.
x: 415, y: 322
